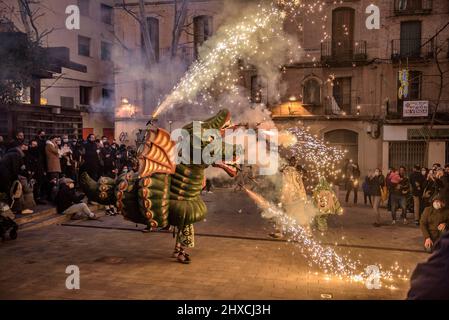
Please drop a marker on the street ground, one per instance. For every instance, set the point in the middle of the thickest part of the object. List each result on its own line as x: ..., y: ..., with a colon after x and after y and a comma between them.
x: 234, y: 258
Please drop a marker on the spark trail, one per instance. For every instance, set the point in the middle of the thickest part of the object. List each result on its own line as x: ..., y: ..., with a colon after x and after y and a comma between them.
x: 331, y: 263
x: 257, y: 36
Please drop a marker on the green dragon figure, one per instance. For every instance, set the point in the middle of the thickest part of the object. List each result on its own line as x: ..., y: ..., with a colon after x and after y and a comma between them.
x: 164, y: 193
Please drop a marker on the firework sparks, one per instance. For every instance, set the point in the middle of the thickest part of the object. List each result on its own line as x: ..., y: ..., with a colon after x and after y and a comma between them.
x: 246, y: 40
x: 331, y: 263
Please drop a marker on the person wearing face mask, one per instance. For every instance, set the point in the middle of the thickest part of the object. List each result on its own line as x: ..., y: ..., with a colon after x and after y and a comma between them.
x: 91, y: 158
x: 67, y: 163
x: 53, y: 163
x: 35, y: 170
x: 417, y: 181
x: 40, y: 175
x: 377, y: 182
x: 434, y: 222
x: 108, y: 158
x: 104, y: 140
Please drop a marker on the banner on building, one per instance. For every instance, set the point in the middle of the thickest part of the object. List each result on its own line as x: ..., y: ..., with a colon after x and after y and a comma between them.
x: 415, y: 108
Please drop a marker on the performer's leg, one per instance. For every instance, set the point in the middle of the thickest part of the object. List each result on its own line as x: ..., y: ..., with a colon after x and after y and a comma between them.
x: 184, y: 239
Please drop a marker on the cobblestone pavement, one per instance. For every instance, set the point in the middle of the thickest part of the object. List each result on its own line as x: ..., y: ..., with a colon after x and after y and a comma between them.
x: 234, y: 258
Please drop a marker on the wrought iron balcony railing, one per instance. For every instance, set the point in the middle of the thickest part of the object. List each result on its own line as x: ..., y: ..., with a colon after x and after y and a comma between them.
x: 335, y: 51
x: 409, y: 7
x: 420, y: 48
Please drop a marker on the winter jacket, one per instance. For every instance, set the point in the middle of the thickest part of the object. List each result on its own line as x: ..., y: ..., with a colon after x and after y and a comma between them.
x: 52, y: 153
x: 92, y: 160
x: 417, y: 182
x: 376, y: 183
x: 10, y: 168
x: 431, y: 219
x: 108, y: 158
x: 66, y: 197
x: 443, y: 187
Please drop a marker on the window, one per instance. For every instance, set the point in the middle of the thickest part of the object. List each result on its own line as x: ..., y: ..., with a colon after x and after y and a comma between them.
x: 106, y: 14
x: 84, y: 46
x: 343, y: 33
x: 83, y: 5
x: 107, y: 97
x: 202, y: 30
x: 414, y: 85
x: 153, y: 30
x: 406, y: 153
x: 106, y: 49
x: 85, y: 95
x: 312, y: 92
x: 67, y: 102
x: 413, y: 6
x: 342, y: 94
x: 410, y: 43
x: 414, y: 89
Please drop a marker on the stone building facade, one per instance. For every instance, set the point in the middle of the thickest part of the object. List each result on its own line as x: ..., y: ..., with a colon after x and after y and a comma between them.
x: 346, y: 86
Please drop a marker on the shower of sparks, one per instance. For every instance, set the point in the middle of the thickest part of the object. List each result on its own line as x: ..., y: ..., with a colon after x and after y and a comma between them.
x: 331, y: 263
x: 234, y: 48
x: 318, y: 157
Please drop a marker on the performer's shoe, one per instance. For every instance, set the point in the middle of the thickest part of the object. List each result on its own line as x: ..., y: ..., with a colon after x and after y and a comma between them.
x: 183, y: 257
x: 176, y: 252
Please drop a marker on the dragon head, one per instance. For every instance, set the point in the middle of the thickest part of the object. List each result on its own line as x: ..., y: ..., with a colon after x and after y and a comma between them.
x: 205, y: 135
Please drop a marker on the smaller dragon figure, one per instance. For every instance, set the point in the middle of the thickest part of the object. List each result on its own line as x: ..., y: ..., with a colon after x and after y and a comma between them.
x: 164, y: 193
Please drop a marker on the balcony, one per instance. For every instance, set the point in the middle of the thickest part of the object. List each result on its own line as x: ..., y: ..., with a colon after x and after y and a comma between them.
x: 395, y: 112
x: 327, y: 110
x: 343, y: 53
x: 414, y: 49
x: 412, y: 7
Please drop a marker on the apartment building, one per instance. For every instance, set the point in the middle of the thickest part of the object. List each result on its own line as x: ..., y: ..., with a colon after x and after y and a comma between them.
x: 91, y: 92
x: 140, y: 84
x: 345, y: 88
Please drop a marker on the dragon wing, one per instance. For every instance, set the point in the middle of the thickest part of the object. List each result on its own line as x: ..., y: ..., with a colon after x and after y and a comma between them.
x: 157, y: 153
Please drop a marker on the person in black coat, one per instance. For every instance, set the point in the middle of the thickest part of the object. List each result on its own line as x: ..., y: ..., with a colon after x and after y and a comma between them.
x: 68, y: 202
x: 11, y: 165
x: 40, y: 175
x: 442, y: 181
x: 430, y: 280
x: 33, y: 163
x: 109, y: 162
x: 92, y: 163
x: 417, y: 182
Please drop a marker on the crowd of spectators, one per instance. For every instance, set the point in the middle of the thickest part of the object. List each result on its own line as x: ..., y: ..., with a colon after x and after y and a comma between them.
x: 46, y: 169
